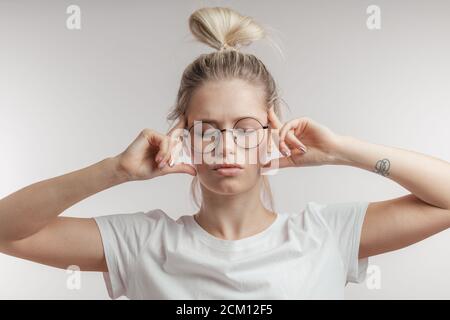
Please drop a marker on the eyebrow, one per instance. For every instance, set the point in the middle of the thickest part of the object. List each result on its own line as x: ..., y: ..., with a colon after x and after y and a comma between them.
x: 234, y: 120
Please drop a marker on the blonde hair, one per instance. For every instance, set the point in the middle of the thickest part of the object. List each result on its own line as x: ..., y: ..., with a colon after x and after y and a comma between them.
x: 227, y: 31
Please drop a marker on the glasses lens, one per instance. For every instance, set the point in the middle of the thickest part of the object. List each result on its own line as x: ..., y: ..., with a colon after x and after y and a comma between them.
x: 204, y: 137
x: 248, y: 133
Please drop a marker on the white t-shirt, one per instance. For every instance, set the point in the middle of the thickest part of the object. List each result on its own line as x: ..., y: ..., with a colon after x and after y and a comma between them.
x: 311, y: 254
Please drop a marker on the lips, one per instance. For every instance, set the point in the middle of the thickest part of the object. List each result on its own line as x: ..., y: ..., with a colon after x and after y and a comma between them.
x: 227, y: 165
x: 228, y: 169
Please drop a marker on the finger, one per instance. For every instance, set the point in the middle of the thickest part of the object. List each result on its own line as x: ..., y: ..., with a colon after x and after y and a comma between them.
x: 291, y: 137
x: 279, y: 143
x: 178, y: 129
x: 283, y: 162
x: 153, y: 138
x: 180, y: 168
x: 162, y: 155
x: 277, y: 125
x: 175, y: 153
x: 287, y: 134
x: 168, y: 158
x: 273, y: 119
x: 284, y: 148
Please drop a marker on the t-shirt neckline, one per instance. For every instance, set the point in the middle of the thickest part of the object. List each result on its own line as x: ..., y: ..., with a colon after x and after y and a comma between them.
x: 238, y: 244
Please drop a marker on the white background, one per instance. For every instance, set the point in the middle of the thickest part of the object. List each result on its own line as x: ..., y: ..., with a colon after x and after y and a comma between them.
x: 71, y: 98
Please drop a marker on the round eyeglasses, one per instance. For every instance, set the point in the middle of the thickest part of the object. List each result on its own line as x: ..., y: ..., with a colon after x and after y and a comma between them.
x: 247, y: 133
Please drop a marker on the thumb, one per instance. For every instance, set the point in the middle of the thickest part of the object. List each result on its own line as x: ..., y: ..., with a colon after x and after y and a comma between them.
x: 282, y: 162
x: 180, y: 168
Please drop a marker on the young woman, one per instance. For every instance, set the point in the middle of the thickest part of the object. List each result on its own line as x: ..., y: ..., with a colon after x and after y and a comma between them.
x: 235, y: 246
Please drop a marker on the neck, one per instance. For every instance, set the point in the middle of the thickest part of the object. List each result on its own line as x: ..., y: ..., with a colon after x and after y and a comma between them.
x: 233, y: 216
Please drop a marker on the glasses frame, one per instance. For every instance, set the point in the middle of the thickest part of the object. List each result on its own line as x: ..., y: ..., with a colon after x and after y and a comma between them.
x: 232, y: 131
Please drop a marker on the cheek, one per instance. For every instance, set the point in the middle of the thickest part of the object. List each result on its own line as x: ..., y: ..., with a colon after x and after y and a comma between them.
x: 258, y: 155
x: 202, y: 169
x: 263, y: 147
x: 262, y: 152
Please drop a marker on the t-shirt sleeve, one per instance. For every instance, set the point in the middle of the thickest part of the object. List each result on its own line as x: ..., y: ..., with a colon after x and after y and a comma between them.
x: 123, y: 236
x: 345, y: 220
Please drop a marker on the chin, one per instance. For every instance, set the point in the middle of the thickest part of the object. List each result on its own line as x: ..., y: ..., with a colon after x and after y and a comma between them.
x: 228, y: 184
x: 226, y: 188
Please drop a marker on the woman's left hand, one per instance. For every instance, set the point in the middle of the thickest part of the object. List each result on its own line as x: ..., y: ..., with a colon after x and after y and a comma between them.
x: 321, y: 144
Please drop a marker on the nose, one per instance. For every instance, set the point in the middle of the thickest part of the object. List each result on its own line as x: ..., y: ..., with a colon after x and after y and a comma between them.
x: 226, y: 144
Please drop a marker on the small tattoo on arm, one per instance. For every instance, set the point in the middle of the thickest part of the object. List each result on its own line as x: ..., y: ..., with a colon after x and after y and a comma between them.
x: 382, y: 167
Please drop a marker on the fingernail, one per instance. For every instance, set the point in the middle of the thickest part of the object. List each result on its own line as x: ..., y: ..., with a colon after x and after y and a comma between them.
x: 287, y: 152
x: 171, y: 163
x: 161, y: 165
x: 302, y: 148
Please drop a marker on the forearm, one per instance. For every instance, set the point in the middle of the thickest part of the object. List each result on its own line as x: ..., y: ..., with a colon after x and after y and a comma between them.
x: 426, y: 177
x: 31, y: 208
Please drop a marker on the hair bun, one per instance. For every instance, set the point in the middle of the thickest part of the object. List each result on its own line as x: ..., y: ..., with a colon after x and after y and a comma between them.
x: 223, y: 28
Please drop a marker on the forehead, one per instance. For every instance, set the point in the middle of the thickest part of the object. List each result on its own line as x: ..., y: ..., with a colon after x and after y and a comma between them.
x: 226, y: 101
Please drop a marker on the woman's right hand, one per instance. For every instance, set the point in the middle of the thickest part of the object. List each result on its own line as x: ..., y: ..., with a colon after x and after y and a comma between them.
x: 140, y: 160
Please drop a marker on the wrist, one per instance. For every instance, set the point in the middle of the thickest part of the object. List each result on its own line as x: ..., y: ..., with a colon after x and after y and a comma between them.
x: 342, y: 152
x: 118, y: 172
